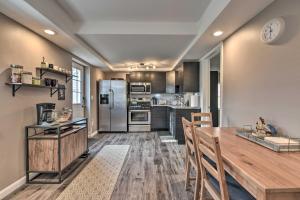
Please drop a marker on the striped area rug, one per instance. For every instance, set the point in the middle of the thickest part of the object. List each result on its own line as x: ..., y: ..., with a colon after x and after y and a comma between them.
x: 97, y: 180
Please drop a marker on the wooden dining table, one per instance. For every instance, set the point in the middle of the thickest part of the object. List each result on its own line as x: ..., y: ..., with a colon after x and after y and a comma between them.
x: 266, y: 174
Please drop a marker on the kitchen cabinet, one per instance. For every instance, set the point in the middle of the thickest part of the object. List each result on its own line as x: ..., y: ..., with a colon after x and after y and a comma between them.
x: 183, y: 79
x: 157, y: 80
x: 191, y: 76
x: 136, y: 77
x: 170, y: 82
x: 169, y: 118
x: 175, y: 122
x: 52, y: 153
x: 179, y: 80
x: 159, y: 118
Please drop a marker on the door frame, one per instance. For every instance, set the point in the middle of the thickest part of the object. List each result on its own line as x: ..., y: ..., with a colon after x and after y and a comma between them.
x: 205, y: 80
x: 80, y: 66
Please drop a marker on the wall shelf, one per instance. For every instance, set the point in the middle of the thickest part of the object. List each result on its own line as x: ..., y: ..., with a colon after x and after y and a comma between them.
x: 17, y: 86
x: 43, y: 71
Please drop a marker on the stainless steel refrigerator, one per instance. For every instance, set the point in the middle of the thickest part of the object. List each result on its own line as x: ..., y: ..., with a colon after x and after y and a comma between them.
x: 112, y: 106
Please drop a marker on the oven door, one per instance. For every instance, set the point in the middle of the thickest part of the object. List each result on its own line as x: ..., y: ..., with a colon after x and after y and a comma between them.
x: 139, y: 117
x: 137, y: 88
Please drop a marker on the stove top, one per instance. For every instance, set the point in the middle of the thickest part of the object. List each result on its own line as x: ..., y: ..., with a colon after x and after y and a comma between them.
x: 145, y: 105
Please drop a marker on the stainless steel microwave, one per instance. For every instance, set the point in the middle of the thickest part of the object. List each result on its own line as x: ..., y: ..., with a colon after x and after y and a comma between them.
x: 140, y: 88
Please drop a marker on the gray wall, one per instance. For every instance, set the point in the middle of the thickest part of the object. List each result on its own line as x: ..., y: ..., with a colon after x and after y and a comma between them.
x: 96, y: 75
x: 264, y: 80
x: 18, y: 45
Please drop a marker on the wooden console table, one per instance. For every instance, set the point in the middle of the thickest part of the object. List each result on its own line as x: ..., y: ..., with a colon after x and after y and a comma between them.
x: 266, y: 174
x: 51, y: 153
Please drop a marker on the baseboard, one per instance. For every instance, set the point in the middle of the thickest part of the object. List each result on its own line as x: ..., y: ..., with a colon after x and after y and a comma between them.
x: 14, y: 186
x: 93, y: 134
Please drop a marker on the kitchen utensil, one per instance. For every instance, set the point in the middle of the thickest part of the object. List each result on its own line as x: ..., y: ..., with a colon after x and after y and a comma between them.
x: 53, y: 82
x: 47, y: 82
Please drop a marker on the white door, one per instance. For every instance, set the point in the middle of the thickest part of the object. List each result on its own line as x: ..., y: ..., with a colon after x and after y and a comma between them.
x: 78, y: 90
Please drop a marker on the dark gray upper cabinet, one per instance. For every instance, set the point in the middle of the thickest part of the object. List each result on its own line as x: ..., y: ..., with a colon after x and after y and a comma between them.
x: 191, y: 76
x: 183, y: 79
x: 170, y: 82
x: 136, y: 77
x: 157, y: 80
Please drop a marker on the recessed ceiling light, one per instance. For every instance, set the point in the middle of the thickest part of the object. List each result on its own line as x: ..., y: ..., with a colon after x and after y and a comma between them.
x: 218, y: 33
x: 49, y: 32
x: 147, y: 68
x: 154, y: 67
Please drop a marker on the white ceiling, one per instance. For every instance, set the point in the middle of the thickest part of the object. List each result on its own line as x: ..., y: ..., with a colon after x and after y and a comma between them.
x: 231, y: 18
x: 135, y: 10
x: 113, y: 34
x: 125, y: 50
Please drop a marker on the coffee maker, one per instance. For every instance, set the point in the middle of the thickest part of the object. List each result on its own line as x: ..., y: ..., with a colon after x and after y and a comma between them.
x: 45, y: 113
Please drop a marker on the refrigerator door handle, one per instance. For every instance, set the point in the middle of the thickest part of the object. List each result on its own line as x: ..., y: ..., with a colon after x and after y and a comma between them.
x: 110, y: 98
x: 113, y: 99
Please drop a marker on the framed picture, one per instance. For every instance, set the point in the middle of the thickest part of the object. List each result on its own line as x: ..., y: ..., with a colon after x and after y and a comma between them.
x: 61, y: 94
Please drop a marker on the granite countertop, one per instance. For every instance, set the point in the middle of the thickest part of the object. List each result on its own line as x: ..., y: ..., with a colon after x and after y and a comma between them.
x: 177, y: 107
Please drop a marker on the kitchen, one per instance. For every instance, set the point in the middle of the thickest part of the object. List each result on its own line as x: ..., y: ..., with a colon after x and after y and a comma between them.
x: 156, y: 100
x: 151, y: 100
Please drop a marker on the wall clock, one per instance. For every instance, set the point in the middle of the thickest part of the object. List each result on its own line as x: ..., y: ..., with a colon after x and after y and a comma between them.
x: 272, y: 30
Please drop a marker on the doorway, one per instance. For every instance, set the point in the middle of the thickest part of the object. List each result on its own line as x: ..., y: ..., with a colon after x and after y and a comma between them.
x: 78, y: 93
x: 211, y: 84
x: 215, y: 89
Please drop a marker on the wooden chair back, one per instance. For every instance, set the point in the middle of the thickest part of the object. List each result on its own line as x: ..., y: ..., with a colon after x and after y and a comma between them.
x: 190, y: 141
x: 209, y: 146
x: 200, y: 119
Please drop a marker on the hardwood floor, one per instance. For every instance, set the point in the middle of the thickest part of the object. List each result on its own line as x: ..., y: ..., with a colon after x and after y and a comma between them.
x: 152, y: 170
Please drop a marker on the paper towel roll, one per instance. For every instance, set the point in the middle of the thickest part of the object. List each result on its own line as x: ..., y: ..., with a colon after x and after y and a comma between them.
x: 195, y: 101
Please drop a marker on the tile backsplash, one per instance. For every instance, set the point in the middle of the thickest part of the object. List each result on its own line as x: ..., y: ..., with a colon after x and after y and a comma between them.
x: 172, y: 99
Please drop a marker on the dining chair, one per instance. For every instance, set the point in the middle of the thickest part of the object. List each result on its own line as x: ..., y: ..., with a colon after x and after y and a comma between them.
x: 200, y: 119
x: 214, y: 179
x: 191, y: 159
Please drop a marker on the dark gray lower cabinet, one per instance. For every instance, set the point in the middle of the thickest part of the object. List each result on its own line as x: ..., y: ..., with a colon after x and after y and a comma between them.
x: 167, y: 118
x: 159, y: 118
x: 175, y: 126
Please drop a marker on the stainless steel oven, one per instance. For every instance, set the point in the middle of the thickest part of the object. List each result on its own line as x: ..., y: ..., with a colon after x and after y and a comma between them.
x: 139, y: 120
x: 140, y: 88
x: 139, y: 117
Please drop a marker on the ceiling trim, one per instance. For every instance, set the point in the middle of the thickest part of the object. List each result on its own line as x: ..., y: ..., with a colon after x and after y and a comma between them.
x: 139, y: 28
x: 72, y: 31
x: 210, y: 14
x: 57, y: 16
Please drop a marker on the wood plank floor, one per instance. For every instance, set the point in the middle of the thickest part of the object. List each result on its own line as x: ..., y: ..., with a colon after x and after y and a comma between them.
x: 152, y: 170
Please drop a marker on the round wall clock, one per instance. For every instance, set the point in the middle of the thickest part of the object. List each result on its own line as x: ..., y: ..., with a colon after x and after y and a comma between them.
x: 272, y: 30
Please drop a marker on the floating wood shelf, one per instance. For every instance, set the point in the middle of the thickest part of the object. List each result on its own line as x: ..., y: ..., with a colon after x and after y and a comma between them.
x: 17, y: 86
x: 43, y: 71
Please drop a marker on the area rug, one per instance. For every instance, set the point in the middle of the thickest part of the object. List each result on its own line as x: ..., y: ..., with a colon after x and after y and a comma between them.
x: 98, y: 179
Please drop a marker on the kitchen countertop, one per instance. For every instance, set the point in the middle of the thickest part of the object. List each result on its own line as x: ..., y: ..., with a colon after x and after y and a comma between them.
x: 176, y: 107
